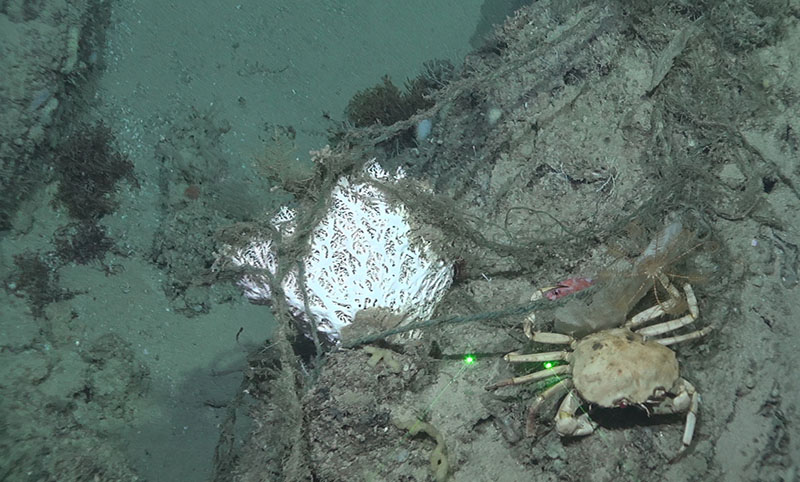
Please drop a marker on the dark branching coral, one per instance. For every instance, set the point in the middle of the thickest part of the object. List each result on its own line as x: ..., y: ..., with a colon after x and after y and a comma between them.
x: 36, y: 277
x: 386, y: 104
x: 82, y: 242
x: 381, y: 104
x: 88, y: 168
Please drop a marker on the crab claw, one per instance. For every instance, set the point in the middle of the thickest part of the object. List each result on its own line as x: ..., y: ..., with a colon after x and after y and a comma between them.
x: 559, y: 389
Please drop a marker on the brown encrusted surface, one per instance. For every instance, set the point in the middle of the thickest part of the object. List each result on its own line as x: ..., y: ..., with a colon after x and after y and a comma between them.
x: 351, y: 422
x: 586, y: 162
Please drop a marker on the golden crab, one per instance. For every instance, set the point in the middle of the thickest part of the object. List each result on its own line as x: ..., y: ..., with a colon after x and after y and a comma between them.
x: 618, y: 367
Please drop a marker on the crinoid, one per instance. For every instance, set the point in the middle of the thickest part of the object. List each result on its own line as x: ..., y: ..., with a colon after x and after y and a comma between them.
x: 620, y: 288
x: 664, y: 260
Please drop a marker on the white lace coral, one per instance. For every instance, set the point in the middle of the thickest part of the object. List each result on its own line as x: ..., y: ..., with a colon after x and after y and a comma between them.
x: 362, y: 255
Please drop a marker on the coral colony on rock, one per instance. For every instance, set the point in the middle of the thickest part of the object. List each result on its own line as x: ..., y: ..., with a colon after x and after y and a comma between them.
x: 363, y: 255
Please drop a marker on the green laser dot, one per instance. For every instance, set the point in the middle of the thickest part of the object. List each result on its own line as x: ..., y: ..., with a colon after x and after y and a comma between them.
x: 469, y: 360
x: 548, y: 365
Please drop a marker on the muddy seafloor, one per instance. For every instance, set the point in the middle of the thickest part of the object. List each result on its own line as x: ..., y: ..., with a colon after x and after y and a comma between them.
x: 564, y: 144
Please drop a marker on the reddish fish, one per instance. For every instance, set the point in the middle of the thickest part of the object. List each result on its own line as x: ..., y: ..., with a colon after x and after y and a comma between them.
x: 567, y: 287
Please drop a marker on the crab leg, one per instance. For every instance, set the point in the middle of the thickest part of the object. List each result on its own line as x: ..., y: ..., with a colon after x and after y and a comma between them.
x: 531, y: 377
x: 530, y: 320
x: 551, y: 338
x: 552, y: 293
x: 661, y: 309
x: 546, y: 337
x: 691, y: 418
x: 667, y: 326
x: 567, y: 423
x: 652, y: 313
x: 536, y: 357
x: 680, y: 338
x: 667, y: 284
x: 559, y: 389
x: 687, y: 400
x: 672, y: 325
